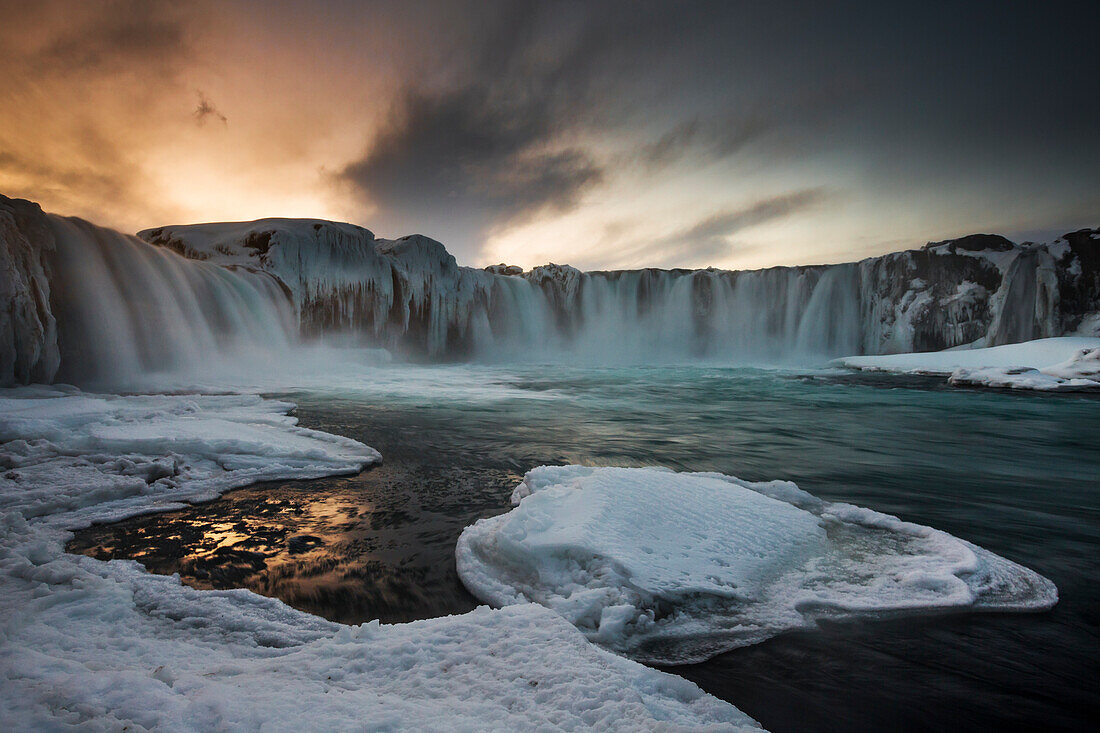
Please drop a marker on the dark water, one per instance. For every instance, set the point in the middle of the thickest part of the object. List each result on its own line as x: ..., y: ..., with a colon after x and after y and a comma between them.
x: 1017, y: 474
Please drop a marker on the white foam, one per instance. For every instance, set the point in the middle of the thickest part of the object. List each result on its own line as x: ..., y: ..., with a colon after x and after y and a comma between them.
x: 672, y: 568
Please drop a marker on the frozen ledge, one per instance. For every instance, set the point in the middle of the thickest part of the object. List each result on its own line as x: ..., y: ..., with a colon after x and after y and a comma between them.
x: 677, y: 567
x: 1067, y: 363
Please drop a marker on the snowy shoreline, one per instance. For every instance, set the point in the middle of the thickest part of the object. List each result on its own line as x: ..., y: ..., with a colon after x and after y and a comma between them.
x: 1063, y: 364
x: 106, y: 645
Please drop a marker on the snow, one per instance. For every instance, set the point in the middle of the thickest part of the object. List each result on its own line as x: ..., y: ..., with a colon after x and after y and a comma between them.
x: 100, y: 315
x: 1001, y: 259
x: 105, y: 454
x: 676, y: 567
x: 108, y: 646
x: 1081, y: 372
x: 409, y: 295
x: 1066, y: 363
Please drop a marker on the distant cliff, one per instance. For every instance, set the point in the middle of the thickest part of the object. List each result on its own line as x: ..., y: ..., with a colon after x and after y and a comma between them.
x: 410, y: 293
x: 78, y: 301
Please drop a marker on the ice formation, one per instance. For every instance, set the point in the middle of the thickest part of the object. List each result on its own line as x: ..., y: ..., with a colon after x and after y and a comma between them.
x: 93, y: 306
x: 106, y: 645
x: 410, y: 295
x: 673, y: 568
x: 1064, y: 364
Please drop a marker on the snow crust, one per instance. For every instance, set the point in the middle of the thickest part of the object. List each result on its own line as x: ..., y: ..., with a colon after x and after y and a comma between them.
x: 1067, y: 363
x: 108, y: 646
x: 676, y: 567
x: 106, y: 454
x: 1079, y: 373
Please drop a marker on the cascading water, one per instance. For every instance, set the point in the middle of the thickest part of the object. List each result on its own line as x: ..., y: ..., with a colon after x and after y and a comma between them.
x: 650, y: 316
x: 110, y: 308
x: 127, y: 308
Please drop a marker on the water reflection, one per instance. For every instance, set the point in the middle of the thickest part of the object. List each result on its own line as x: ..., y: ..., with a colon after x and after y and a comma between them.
x: 350, y: 549
x: 1018, y: 474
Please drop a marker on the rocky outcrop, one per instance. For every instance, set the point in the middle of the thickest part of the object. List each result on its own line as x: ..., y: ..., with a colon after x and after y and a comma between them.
x: 503, y: 269
x: 28, y: 329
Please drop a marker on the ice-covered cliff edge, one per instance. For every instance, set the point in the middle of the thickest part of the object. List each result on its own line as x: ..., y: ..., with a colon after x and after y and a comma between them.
x: 410, y: 294
x: 406, y: 294
x: 81, y: 303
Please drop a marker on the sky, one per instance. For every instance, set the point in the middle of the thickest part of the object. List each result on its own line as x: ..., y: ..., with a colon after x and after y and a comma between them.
x: 600, y: 134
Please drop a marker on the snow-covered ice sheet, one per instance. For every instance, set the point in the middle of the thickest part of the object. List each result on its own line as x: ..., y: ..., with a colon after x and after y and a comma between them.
x: 104, y: 456
x: 676, y: 567
x: 108, y: 646
x: 1066, y: 363
x: 1078, y: 373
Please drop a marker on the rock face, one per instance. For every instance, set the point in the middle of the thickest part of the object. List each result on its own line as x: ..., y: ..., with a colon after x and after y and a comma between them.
x: 79, y: 300
x: 503, y: 269
x: 28, y: 329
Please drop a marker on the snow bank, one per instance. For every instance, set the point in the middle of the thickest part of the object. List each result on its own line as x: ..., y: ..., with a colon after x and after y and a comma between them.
x: 107, y: 646
x: 1054, y: 364
x: 1079, y: 373
x: 674, y: 568
x: 95, y: 457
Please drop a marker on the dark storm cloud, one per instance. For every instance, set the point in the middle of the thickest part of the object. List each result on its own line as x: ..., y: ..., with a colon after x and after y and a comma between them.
x: 465, y: 120
x: 487, y: 147
x: 497, y: 125
x: 498, y: 143
x: 728, y: 223
x: 472, y: 154
x: 714, y: 137
x: 108, y: 37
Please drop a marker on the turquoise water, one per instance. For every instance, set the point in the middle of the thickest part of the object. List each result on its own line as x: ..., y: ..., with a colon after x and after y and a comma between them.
x: 1018, y: 474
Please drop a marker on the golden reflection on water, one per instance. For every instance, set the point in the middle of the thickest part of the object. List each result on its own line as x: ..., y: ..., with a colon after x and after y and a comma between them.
x: 350, y: 549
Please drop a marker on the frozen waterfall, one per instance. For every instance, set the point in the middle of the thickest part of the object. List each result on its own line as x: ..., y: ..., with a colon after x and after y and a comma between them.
x: 124, y: 307
x: 85, y: 304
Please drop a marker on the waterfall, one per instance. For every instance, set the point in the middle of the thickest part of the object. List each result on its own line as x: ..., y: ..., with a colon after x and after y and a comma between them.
x: 648, y: 316
x: 126, y: 308
x: 90, y: 305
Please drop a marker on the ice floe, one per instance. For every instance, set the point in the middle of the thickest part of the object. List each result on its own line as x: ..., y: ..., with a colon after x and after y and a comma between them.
x: 108, y: 646
x: 676, y: 567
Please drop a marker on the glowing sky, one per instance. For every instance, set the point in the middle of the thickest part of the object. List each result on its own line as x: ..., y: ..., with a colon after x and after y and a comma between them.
x: 600, y: 134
